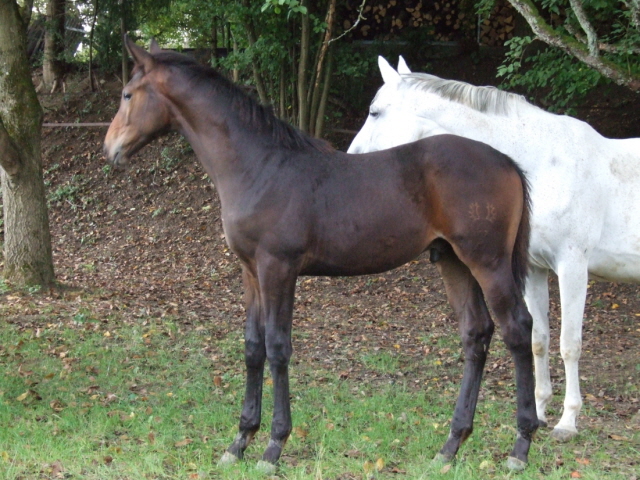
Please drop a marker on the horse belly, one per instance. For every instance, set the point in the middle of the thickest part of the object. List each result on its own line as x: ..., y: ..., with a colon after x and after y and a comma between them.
x: 622, y: 266
x: 363, y: 251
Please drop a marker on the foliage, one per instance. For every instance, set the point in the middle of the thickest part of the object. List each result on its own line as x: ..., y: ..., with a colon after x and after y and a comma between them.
x: 563, y: 80
x: 599, y: 35
x: 133, y: 13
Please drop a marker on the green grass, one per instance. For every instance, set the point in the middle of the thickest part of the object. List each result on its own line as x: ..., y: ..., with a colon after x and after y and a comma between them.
x: 149, y: 398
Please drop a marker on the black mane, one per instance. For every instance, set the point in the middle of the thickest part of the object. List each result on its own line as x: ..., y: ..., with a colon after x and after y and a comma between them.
x: 248, y: 110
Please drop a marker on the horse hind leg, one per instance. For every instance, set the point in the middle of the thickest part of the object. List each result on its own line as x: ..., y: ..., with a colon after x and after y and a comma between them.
x: 476, y: 330
x: 537, y: 300
x: 505, y: 300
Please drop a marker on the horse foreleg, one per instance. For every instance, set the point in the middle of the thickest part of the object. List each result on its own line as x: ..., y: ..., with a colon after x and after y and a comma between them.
x: 476, y: 330
x: 537, y: 299
x: 572, y: 280
x: 277, y: 287
x: 255, y: 355
x: 516, y: 325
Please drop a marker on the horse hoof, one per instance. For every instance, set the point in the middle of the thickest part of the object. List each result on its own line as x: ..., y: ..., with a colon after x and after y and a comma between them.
x: 515, y: 464
x: 440, y: 459
x: 562, y: 435
x: 228, y: 459
x: 266, y: 468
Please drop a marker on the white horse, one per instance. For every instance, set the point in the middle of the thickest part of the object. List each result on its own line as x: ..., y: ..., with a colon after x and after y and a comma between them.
x: 585, y: 194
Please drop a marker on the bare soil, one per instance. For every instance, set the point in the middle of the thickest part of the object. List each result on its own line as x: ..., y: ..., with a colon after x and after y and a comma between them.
x: 148, y: 241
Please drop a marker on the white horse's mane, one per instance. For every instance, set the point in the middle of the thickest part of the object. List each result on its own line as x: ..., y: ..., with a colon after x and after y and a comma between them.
x: 484, y: 99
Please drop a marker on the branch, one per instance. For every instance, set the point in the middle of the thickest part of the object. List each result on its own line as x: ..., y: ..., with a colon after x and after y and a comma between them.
x: 327, y: 40
x: 592, y: 37
x: 9, y: 154
x: 571, y: 46
x: 360, y: 17
x: 603, y: 47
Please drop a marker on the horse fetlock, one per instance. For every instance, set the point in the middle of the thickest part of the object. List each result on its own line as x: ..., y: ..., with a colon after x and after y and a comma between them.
x: 273, y: 451
x: 239, y: 445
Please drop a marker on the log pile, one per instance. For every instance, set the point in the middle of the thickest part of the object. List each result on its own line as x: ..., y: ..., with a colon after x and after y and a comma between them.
x: 441, y: 20
x: 385, y: 19
x: 499, y: 26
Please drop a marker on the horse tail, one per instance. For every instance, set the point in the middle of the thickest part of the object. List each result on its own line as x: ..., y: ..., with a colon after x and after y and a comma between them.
x: 520, y: 257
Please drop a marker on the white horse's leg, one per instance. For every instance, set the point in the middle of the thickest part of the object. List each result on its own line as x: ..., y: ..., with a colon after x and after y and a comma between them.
x: 537, y: 298
x: 572, y: 279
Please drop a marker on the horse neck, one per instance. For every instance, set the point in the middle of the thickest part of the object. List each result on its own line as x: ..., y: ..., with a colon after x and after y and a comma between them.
x: 465, y: 121
x: 218, y: 140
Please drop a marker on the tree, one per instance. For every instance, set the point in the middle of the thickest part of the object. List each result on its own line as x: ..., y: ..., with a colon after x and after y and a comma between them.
x: 27, y: 247
x: 53, y: 64
x: 602, y: 35
x: 580, y: 37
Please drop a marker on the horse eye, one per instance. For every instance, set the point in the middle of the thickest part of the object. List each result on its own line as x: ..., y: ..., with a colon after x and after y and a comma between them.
x: 126, y: 96
x: 374, y: 113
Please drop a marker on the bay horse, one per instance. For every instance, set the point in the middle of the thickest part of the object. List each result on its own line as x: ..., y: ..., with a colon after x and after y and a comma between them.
x: 292, y: 205
x: 584, y: 193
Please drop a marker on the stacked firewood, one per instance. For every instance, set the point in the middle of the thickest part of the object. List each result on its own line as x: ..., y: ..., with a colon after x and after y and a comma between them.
x: 498, y: 26
x: 443, y: 19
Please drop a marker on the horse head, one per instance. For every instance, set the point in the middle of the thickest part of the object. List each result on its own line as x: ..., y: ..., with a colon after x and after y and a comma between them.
x: 144, y: 111
x: 392, y: 119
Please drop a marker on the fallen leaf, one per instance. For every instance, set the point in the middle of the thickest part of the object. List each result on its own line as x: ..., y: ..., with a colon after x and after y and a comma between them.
x: 23, y: 397
x: 183, y: 443
x: 379, y: 464
x: 619, y: 438
x: 300, y: 432
x: 446, y: 468
x: 368, y: 467
x: 575, y: 474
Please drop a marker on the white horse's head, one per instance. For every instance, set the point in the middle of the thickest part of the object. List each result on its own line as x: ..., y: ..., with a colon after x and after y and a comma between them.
x: 393, y: 118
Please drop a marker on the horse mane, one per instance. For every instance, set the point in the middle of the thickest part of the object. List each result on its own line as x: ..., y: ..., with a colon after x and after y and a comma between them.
x: 249, y: 111
x: 483, y: 99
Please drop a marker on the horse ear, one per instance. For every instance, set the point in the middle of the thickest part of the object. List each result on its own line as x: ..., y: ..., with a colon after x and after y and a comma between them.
x: 154, y: 48
x: 140, y: 56
x: 403, y: 68
x: 389, y: 75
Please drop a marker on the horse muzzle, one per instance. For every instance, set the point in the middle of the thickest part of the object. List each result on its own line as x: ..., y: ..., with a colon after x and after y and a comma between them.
x: 115, y: 155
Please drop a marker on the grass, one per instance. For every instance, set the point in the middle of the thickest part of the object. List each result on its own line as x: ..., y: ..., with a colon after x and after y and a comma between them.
x: 148, y: 398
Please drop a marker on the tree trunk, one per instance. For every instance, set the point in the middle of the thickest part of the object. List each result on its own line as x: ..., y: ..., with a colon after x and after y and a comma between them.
x: 27, y: 241
x: 319, y: 125
x: 252, y: 38
x: 92, y: 80
x: 53, y: 60
x: 123, y: 31
x: 303, y: 62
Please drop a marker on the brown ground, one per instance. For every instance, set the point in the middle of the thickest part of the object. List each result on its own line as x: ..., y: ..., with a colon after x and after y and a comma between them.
x: 148, y: 241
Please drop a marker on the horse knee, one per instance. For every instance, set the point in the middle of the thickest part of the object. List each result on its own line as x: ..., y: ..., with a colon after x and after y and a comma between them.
x: 517, y: 334
x: 476, y: 341
x: 254, y: 354
x: 571, y: 354
x: 279, y: 353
